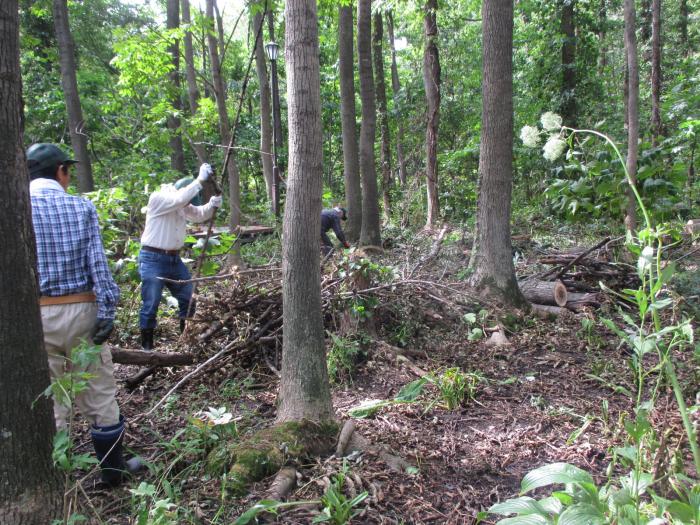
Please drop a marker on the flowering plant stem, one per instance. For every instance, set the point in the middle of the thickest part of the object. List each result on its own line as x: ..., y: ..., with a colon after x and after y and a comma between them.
x: 649, y: 284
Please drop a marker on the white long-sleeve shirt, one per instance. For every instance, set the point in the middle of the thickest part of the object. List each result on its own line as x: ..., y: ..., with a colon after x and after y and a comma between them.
x: 167, y: 214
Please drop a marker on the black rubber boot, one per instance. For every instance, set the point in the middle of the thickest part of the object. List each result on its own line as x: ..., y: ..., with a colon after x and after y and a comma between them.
x: 147, y: 338
x: 108, y: 449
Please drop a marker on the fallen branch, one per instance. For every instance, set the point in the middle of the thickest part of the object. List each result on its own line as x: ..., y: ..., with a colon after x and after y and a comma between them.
x: 282, y: 485
x: 125, y: 356
x: 344, y: 438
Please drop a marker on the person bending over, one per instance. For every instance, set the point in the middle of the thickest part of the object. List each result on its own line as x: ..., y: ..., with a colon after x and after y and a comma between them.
x: 330, y: 219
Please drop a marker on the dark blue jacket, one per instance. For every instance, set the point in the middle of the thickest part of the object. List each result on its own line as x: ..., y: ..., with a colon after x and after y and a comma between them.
x: 330, y: 219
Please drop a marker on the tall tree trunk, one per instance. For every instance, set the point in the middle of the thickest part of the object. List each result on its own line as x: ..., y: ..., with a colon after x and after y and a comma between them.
x: 369, y: 234
x: 234, y: 184
x: 602, y: 32
x: 276, y: 115
x: 220, y: 32
x: 177, y: 155
x: 265, y: 110
x: 568, y: 63
x: 192, y: 89
x: 645, y: 30
x: 385, y: 158
x: 66, y: 54
x: 656, y: 125
x: 683, y: 26
x: 492, y: 257
x: 304, y: 388
x: 396, y: 88
x: 431, y: 81
x: 632, y: 111
x: 31, y: 488
x: 348, y: 118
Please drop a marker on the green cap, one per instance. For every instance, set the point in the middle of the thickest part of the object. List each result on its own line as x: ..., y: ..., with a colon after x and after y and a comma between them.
x: 183, y: 183
x: 40, y: 156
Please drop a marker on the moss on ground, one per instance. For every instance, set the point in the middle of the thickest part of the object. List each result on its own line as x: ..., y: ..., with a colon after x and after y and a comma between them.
x: 268, y: 450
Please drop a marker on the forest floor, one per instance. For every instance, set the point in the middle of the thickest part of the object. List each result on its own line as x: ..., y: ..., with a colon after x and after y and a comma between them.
x: 552, y: 394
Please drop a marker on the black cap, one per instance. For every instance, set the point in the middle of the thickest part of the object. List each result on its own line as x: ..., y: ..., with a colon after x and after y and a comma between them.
x: 40, y: 156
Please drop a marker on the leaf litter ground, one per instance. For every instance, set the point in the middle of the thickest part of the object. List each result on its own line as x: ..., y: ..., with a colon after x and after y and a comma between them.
x: 549, y: 395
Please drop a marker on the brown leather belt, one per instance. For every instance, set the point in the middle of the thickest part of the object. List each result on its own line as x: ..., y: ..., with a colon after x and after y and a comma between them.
x: 82, y: 297
x: 159, y: 250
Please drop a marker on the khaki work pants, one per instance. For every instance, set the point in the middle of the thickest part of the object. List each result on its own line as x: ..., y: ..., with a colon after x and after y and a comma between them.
x: 65, y: 325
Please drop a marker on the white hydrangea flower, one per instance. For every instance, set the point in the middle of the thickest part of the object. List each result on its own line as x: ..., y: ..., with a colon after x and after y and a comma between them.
x: 553, y: 148
x: 530, y: 136
x: 551, y: 121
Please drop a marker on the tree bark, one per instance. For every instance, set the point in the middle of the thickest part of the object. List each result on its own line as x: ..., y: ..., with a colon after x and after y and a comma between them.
x: 568, y: 63
x: 265, y: 109
x: 396, y: 88
x: 369, y: 234
x: 431, y: 81
x: 492, y: 259
x: 304, y: 387
x: 234, y: 184
x: 632, y: 111
x: 683, y: 27
x: 602, y: 32
x: 656, y: 124
x: 348, y: 118
x: 276, y: 115
x: 76, y: 123
x: 177, y: 155
x: 31, y: 488
x: 192, y: 89
x: 385, y: 157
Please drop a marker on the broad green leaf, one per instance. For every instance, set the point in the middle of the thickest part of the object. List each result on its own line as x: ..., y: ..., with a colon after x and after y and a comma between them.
x: 554, y: 473
x: 530, y: 519
x: 411, y: 391
x: 367, y: 409
x: 683, y: 511
x: 264, y: 505
x: 521, y: 505
x: 581, y: 514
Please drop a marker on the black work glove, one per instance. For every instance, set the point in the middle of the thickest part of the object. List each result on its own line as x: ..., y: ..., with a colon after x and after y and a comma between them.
x: 101, y: 330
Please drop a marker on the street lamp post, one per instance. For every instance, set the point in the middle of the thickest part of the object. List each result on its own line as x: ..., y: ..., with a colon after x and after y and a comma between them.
x: 272, y: 49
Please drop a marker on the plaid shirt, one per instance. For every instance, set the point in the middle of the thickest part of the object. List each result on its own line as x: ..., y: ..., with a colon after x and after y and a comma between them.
x: 71, y: 258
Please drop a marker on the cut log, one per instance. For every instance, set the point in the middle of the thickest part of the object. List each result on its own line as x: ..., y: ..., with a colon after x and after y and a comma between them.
x: 577, y: 301
x: 546, y: 311
x: 551, y: 293
x: 124, y: 356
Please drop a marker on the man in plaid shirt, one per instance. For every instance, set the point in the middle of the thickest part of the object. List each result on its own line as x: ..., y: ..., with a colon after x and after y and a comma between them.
x: 78, y: 299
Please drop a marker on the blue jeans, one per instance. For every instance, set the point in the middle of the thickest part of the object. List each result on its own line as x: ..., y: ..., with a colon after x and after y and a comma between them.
x: 151, y: 266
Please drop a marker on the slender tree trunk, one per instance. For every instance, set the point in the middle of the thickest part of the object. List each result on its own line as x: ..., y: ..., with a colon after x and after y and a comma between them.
x: 76, y: 123
x: 632, y: 110
x: 370, y: 234
x: 276, y: 111
x: 568, y: 63
x: 304, y: 388
x: 431, y: 81
x: 492, y: 258
x: 396, y: 88
x: 602, y: 32
x: 348, y: 118
x: 177, y: 155
x: 385, y: 157
x: 31, y: 488
x: 265, y: 110
x: 683, y: 26
x: 645, y: 30
x: 220, y: 32
x: 234, y: 183
x: 656, y: 125
x: 192, y: 89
